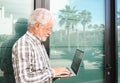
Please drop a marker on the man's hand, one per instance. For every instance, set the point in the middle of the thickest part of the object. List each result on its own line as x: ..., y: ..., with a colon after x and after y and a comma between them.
x: 61, y: 70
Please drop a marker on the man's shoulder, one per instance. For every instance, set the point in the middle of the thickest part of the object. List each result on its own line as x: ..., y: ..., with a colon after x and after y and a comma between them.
x: 20, y: 40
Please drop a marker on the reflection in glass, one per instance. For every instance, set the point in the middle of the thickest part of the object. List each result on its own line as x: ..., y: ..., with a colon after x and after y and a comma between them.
x: 13, y: 23
x: 78, y: 24
x: 118, y: 26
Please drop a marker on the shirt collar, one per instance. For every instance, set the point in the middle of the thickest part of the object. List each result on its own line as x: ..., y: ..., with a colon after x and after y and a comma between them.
x: 34, y: 37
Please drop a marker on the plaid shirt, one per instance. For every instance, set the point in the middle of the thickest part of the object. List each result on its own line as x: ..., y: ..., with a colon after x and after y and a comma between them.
x: 30, y: 61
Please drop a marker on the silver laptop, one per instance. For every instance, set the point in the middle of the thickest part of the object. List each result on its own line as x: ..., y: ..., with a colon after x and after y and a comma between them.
x: 77, y: 60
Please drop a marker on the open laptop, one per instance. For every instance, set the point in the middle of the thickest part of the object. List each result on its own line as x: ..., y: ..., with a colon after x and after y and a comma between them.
x: 77, y: 60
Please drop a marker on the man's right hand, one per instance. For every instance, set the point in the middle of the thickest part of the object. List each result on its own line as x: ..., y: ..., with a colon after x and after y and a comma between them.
x: 61, y: 70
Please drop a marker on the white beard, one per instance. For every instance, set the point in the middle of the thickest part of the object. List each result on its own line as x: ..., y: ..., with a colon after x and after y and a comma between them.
x: 43, y: 39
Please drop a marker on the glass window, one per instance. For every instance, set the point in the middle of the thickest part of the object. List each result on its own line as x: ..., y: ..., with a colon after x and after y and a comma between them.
x: 118, y: 26
x: 13, y: 24
x: 78, y: 24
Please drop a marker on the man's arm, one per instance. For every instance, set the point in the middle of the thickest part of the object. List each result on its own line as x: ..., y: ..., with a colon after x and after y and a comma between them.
x: 24, y: 71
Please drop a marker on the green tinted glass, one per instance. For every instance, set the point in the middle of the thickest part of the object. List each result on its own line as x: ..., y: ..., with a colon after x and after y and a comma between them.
x: 13, y: 24
x: 78, y: 24
x: 118, y: 26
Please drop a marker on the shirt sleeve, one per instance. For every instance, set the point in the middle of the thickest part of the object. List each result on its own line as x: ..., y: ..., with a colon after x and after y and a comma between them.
x: 24, y: 71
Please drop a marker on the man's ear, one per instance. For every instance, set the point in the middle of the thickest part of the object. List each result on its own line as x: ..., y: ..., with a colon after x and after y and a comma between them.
x: 37, y: 26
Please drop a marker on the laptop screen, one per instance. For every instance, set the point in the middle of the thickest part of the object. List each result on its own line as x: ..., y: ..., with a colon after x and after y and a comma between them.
x: 77, y: 60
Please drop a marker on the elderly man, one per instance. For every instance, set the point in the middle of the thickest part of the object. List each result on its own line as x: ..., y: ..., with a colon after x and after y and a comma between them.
x: 30, y: 60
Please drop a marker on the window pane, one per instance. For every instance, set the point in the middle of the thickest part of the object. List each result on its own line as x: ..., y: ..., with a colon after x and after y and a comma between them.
x: 78, y: 24
x: 13, y: 24
x: 118, y: 22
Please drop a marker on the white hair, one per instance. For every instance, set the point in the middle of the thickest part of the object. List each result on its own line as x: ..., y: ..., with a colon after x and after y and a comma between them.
x: 41, y: 15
